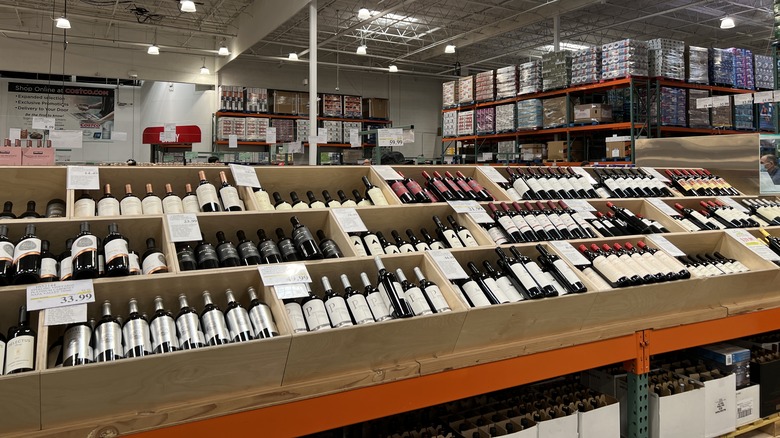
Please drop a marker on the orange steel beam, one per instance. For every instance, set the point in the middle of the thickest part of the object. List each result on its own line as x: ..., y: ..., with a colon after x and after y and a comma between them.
x: 353, y: 406
x: 701, y: 333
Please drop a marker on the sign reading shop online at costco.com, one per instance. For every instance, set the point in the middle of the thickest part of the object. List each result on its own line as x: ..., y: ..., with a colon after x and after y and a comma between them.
x: 86, y: 109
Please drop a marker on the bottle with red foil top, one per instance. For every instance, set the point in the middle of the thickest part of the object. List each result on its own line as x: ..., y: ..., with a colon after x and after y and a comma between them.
x: 415, y: 190
x: 721, y: 183
x: 400, y: 190
x: 482, y: 193
x: 673, y: 266
x: 452, y: 185
x: 438, y: 188
x: 605, y: 267
x: 462, y: 186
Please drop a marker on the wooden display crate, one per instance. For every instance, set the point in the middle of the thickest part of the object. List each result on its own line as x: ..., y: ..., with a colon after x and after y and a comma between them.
x: 640, y: 207
x: 373, y: 347
x: 415, y: 172
x: 150, y: 383
x: 39, y: 184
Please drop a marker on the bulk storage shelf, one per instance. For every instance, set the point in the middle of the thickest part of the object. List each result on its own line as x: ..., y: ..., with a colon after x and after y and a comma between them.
x: 262, y: 386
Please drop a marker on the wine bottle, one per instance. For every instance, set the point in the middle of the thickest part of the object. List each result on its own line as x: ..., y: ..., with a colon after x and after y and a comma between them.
x: 66, y: 261
x: 527, y: 222
x: 474, y: 294
x: 20, y: 347
x: 554, y: 219
x: 296, y: 203
x: 606, y: 268
x: 171, y: 204
x: 418, y: 244
x: 335, y: 306
x: 186, y: 257
x: 295, y: 315
x: 84, y: 206
x: 562, y: 273
x: 446, y: 234
x: 314, y: 312
x: 416, y: 190
x: 377, y: 300
x: 206, y: 255
x: 286, y: 247
x: 77, y: 345
x: 387, y: 247
x: 207, y: 194
x: 262, y: 318
x: 108, y: 337
x: 7, y: 212
x: 279, y: 203
x: 439, y: 188
x: 414, y: 295
x: 130, y: 204
x: 520, y: 186
x: 313, y: 201
x: 463, y: 233
x: 190, y: 201
x: 30, y: 213
x: 504, y: 283
x: 433, y: 243
x: 482, y: 194
x: 151, y: 204
x: 188, y: 326
x: 262, y: 199
x: 6, y: 256
x: 510, y: 231
x: 516, y: 271
x: 153, y: 261
x: 48, y: 264
x: 330, y: 202
x: 372, y: 244
x: 238, y: 323
x: 546, y: 283
x: 697, y: 218
x: 108, y: 205
x: 329, y: 248
x: 214, y: 325
x: 402, y: 192
x: 162, y: 328
x: 374, y: 193
x: 247, y: 250
x: 549, y: 228
x: 388, y: 285
x: 432, y: 292
x: 268, y: 251
x: 135, y: 263
x: 638, y: 269
x: 27, y: 258
x: 402, y: 245
x: 115, y: 249
x: 360, y: 201
x: 346, y: 202
x: 356, y: 303
x: 226, y: 252
x: 229, y: 195
x: 304, y: 241
x: 135, y: 332
x: 453, y: 186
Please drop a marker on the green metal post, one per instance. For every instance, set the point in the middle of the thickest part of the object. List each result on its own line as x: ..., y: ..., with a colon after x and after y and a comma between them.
x: 637, y: 406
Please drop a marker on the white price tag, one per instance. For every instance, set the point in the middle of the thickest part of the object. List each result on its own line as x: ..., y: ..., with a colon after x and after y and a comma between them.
x: 169, y: 127
x: 664, y: 244
x: 387, y: 173
x: 167, y: 137
x: 284, y: 273
x: 704, y: 103
x: 43, y: 123
x: 448, y: 264
x: 244, y: 175
x: 663, y: 206
x: 232, y: 140
x: 580, y: 205
x: 65, y: 315
x: 83, y: 178
x: 753, y: 244
x: 349, y: 219
x: 656, y: 174
x: 270, y: 135
x: 721, y: 101
x: 66, y: 293
x: 481, y: 217
x: 322, y: 134
x: 295, y: 147
x: 570, y: 253
x: 66, y: 139
x: 390, y: 137
x: 763, y: 96
x: 493, y: 174
x: 466, y: 206
x: 584, y: 173
x: 734, y: 204
x: 743, y: 99
x: 291, y: 291
x: 354, y: 138
x: 183, y: 227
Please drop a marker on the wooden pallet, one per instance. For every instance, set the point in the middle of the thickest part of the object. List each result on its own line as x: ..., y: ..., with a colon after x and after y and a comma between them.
x: 769, y: 425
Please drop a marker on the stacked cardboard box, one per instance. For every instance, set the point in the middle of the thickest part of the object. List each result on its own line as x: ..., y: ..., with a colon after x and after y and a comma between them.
x: 743, y: 117
x: 231, y: 98
x: 466, y: 122
x: 533, y: 151
x: 353, y: 107
x: 529, y: 77
x: 348, y: 126
x: 666, y: 58
x: 485, y: 86
x: 530, y: 114
x: 721, y: 117
x: 721, y: 64
x: 332, y: 105
x: 592, y: 112
x: 556, y: 70
x: 334, y: 131
x: 284, y: 102
x: 765, y: 116
x: 285, y: 130
x: 697, y: 118
x: 449, y: 94
x: 255, y: 129
x: 375, y: 108
x: 744, y: 77
x: 302, y: 130
x: 556, y: 112
x: 624, y: 58
x: 506, y: 82
x: 586, y: 66
x: 486, y: 120
x: 673, y: 103
x: 763, y: 72
x: 449, y: 124
x: 466, y: 90
x: 256, y: 100
x: 698, y: 65
x: 505, y: 118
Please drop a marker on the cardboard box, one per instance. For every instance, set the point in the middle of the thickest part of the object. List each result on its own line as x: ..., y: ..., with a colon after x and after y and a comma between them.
x: 603, y: 422
x: 564, y: 427
x: 618, y: 149
x: 768, y: 375
x: 37, y: 157
x: 677, y: 416
x: 720, y: 411
x: 532, y: 151
x: 592, y: 112
x: 747, y: 402
x: 375, y: 108
x: 10, y: 156
x: 284, y: 102
x: 557, y: 150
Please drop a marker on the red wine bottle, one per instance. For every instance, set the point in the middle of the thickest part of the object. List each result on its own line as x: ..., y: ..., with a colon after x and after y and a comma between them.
x: 247, y: 250
x: 115, y: 249
x: 335, y: 306
x: 27, y: 258
x: 388, y: 285
x: 77, y: 345
x: 85, y: 254
x: 30, y: 213
x: 20, y: 348
x: 153, y: 260
x: 206, y: 255
x: 286, y: 247
x: 229, y: 194
x: 357, y: 304
x: 7, y: 212
x: 6, y: 256
x: 227, y: 252
x: 48, y: 264
x: 261, y: 317
x: 207, y: 194
x: 304, y: 241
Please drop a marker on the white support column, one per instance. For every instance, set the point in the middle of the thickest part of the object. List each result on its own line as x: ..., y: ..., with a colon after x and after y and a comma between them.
x: 557, y: 32
x: 312, y: 80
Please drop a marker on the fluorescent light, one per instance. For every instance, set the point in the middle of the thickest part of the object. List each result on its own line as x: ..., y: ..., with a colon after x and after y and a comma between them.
x: 449, y: 49
x: 153, y: 50
x: 726, y: 23
x: 393, y: 68
x: 292, y: 56
x: 361, y: 50
x: 204, y: 70
x: 63, y: 23
x: 364, y: 14
x: 223, y: 51
x: 188, y: 6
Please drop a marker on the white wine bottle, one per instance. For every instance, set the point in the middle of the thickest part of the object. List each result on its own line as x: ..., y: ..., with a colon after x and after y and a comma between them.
x: 151, y: 204
x: 130, y: 204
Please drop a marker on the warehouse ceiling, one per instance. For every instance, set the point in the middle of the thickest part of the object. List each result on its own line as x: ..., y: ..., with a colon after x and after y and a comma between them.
x: 411, y: 34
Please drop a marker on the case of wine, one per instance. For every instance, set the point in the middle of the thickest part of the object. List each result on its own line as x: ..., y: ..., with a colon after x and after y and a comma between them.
x: 10, y: 156
x: 37, y: 157
x: 602, y: 422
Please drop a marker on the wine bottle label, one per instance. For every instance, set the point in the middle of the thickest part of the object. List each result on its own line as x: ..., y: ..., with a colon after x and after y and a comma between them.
x: 152, y: 205
x: 48, y: 268
x: 316, y: 315
x: 334, y: 204
x: 115, y: 249
x: 108, y: 339
x: 377, y: 302
x: 544, y: 221
x: 611, y: 184
x: 651, y: 263
x: 84, y: 244
x: 568, y: 222
x: 567, y: 185
x: 238, y: 322
x: 438, y: 301
x: 399, y: 188
x: 417, y: 301
x: 338, y: 312
x: 163, y: 330
x: 287, y: 249
x: 108, y: 207
x: 437, y: 245
x: 377, y: 197
x: 6, y: 251
x: 556, y: 221
x: 29, y: 247
x: 509, y: 290
x: 633, y: 266
x: 566, y: 272
x: 154, y: 263
x: 225, y: 252
x: 551, y: 281
x: 347, y: 203
x: 297, y: 320
x: 555, y: 184
x: 497, y: 235
x: 521, y: 224
x: 66, y: 268
x: 391, y: 249
x: 452, y: 239
x: 318, y: 204
x: 536, y: 272
x: 214, y: 327
x: 2, y: 354
x: 171, y: 205
x: 688, y: 224
x: 475, y: 185
x: 263, y: 320
x: 130, y: 205
x: 188, y: 327
x: 414, y: 187
x: 508, y: 224
x: 77, y: 344
x: 475, y: 294
x: 513, y: 194
x: 373, y: 245
x: 406, y: 247
x: 301, y: 235
x: 190, y: 204
x: 230, y: 198
x: 364, y: 203
x: 498, y: 292
x: 422, y: 246
x: 20, y: 353
x: 738, y: 266
x: 263, y: 200
x: 84, y: 208
x: 607, y: 268
x: 533, y: 222
x: 248, y: 249
x: 300, y: 206
x: 467, y: 238
x: 357, y: 246
x: 672, y: 264
x: 207, y: 194
x: 440, y: 186
x: 135, y: 267
x: 360, y: 311
x: 136, y: 334
x: 523, y: 276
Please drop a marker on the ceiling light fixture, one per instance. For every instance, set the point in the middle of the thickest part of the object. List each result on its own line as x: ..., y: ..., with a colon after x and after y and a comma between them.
x: 187, y: 6
x: 63, y: 23
x: 292, y: 56
x: 153, y: 50
x: 361, y: 50
x: 223, y: 51
x: 393, y: 68
x: 364, y: 14
x: 726, y: 23
x: 204, y: 70
x: 449, y: 49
